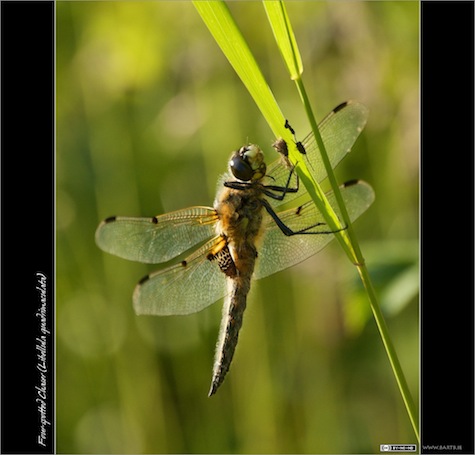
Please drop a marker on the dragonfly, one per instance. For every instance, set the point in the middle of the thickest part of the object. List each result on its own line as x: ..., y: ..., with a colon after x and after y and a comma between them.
x: 262, y: 221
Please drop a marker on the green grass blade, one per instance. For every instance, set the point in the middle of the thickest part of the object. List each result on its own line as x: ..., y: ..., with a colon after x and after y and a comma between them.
x: 284, y: 37
x: 218, y: 19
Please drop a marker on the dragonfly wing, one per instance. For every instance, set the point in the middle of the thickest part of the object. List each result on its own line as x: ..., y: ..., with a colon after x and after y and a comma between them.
x: 279, y: 252
x: 158, y: 239
x: 183, y: 288
x: 339, y: 131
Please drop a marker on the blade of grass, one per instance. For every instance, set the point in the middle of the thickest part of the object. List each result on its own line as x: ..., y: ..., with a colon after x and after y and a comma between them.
x: 221, y: 24
x: 287, y: 44
x: 284, y: 36
x: 225, y: 31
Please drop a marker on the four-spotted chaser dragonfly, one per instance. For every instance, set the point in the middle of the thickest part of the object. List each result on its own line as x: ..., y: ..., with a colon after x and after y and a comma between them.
x: 262, y: 222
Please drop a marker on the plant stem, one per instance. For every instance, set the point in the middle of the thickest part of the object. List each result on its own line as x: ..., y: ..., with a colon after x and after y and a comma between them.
x: 390, y: 351
x: 350, y: 244
x: 348, y: 239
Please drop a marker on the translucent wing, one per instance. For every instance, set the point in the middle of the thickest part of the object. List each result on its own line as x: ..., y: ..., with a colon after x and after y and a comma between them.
x: 339, y: 131
x: 158, y: 239
x: 197, y: 282
x: 278, y: 252
x: 184, y: 288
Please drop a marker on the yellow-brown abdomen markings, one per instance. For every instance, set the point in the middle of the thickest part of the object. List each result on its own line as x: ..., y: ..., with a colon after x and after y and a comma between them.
x: 221, y: 254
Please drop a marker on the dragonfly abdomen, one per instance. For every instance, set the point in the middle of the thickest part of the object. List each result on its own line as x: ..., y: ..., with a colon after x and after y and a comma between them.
x: 231, y: 322
x: 240, y: 226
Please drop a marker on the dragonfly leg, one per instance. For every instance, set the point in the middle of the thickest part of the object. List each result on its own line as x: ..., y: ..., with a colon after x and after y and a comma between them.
x: 298, y: 144
x: 268, y: 190
x: 288, y: 231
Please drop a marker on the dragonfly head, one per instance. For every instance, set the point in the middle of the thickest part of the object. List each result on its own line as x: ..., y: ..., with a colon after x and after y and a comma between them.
x: 247, y: 163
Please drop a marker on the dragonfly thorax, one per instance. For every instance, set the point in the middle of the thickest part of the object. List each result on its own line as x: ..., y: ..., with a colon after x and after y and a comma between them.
x: 247, y: 163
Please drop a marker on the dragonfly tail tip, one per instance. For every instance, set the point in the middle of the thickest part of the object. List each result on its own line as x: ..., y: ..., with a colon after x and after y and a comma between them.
x: 212, y: 389
x: 215, y: 383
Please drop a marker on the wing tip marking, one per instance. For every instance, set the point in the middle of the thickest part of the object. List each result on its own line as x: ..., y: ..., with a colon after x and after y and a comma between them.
x: 341, y: 106
x: 351, y: 183
x: 143, y: 280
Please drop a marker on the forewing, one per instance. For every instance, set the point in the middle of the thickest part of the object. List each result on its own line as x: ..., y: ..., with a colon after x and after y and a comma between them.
x: 339, y: 131
x: 158, y: 239
x: 184, y: 288
x: 278, y: 251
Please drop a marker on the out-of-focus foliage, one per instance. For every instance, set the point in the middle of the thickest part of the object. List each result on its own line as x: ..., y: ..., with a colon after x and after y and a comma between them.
x: 148, y: 111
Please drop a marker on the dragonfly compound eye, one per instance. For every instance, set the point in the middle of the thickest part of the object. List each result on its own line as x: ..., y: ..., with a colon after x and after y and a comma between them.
x: 247, y: 163
x: 240, y: 167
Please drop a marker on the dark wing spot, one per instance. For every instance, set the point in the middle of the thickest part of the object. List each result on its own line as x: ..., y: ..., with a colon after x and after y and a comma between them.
x: 144, y: 279
x: 340, y: 106
x: 154, y: 220
x: 301, y: 148
x: 350, y: 183
x: 299, y: 209
x: 110, y: 219
x: 184, y: 263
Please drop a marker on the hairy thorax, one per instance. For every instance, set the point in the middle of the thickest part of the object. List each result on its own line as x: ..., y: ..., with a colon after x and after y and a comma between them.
x: 240, y: 221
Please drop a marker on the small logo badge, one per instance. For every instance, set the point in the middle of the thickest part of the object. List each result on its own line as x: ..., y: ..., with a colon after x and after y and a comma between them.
x: 397, y: 447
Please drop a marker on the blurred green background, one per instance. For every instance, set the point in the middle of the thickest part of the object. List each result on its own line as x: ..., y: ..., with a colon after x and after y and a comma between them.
x: 148, y: 111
